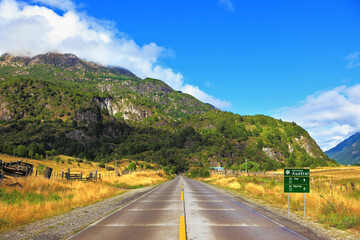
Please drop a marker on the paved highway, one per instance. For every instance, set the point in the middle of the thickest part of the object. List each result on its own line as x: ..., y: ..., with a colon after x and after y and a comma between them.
x: 185, y: 209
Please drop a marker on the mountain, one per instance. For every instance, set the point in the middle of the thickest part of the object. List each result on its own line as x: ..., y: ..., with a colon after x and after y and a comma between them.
x: 348, y: 151
x: 58, y: 103
x: 117, y: 90
x: 56, y: 61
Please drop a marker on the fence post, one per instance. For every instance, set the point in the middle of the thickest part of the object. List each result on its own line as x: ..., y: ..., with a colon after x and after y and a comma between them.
x: 68, y: 174
x: 96, y: 175
x: 48, y: 172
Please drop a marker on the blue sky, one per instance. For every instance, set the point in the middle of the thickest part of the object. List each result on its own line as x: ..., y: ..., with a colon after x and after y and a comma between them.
x: 261, y: 56
x: 295, y: 60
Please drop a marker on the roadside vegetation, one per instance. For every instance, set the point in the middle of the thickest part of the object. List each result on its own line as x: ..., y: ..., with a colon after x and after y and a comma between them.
x: 334, y: 198
x: 137, y: 179
x: 28, y: 199
x: 35, y: 198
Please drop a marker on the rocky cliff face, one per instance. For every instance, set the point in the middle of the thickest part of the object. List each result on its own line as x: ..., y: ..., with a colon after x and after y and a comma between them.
x: 308, y: 146
x: 5, y: 114
x: 273, y: 154
x: 88, y: 116
x: 127, y: 109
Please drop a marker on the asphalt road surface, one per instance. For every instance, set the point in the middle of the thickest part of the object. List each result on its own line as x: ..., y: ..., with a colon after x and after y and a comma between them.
x: 186, y: 209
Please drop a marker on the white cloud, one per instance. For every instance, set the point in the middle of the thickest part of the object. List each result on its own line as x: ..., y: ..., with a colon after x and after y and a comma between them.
x: 329, y: 116
x: 195, y: 91
x: 31, y: 29
x: 353, y: 59
x: 228, y: 4
x: 58, y: 4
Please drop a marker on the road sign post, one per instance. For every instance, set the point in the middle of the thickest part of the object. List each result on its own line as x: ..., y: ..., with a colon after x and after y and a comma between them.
x: 297, y: 181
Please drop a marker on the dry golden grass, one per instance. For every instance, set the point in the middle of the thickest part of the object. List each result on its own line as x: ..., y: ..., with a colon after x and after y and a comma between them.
x: 230, y: 182
x: 334, y: 197
x: 137, y: 179
x: 39, y: 198
x: 338, y: 173
x: 255, y: 189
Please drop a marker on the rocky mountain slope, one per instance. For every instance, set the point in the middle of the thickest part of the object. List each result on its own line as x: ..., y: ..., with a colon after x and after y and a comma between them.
x: 116, y: 90
x: 60, y: 103
x: 348, y: 151
x: 67, y: 62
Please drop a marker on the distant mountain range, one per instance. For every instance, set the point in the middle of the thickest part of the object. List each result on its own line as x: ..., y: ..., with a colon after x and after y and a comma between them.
x: 348, y: 151
x: 58, y: 103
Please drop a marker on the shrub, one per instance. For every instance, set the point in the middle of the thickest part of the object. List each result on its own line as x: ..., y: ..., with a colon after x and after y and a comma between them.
x: 102, y: 165
x: 41, y: 169
x: 57, y: 159
x: 110, y: 168
x: 132, y: 166
x: 148, y: 166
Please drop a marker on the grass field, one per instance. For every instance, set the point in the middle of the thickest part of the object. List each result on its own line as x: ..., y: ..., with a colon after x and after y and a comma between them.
x: 334, y: 197
x: 35, y: 197
x: 136, y: 179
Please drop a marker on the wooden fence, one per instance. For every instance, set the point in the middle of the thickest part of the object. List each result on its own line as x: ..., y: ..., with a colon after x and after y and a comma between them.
x: 15, y: 169
x: 21, y: 169
x: 92, y: 176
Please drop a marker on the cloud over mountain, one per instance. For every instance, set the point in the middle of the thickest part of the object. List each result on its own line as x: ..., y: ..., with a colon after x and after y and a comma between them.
x: 329, y: 116
x: 31, y: 29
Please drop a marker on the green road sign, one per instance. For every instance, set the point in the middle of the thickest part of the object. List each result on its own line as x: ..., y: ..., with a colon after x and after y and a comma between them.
x: 296, y: 188
x: 296, y: 172
x: 296, y: 180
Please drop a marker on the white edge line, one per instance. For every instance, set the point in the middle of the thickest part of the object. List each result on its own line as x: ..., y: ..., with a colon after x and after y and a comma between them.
x: 91, y: 225
x: 256, y: 212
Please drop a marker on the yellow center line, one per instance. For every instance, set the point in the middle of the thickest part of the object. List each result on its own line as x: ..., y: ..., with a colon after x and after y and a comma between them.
x: 182, y: 195
x: 182, y: 186
x: 182, y: 234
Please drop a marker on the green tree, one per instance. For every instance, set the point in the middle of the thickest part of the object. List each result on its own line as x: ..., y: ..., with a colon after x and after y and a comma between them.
x: 21, y: 151
x: 132, y: 166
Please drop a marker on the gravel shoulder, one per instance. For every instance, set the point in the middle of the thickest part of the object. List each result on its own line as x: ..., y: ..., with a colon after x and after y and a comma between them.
x: 304, y: 226
x: 67, y: 224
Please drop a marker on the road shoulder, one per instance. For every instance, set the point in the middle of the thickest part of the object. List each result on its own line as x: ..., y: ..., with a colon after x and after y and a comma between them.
x: 67, y: 224
x: 302, y: 226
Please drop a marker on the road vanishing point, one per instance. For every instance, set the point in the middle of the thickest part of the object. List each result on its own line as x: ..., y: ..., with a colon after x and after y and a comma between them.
x: 185, y: 209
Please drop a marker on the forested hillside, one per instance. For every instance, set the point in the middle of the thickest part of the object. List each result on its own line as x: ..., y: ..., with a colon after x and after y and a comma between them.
x: 58, y: 103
